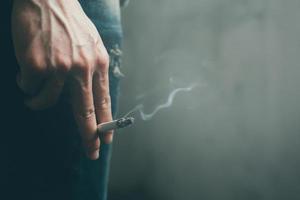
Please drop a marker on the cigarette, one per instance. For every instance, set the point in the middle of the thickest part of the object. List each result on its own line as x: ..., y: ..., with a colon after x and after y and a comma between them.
x: 115, y: 124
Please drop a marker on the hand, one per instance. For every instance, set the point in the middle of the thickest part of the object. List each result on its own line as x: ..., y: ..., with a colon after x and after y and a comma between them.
x: 57, y: 45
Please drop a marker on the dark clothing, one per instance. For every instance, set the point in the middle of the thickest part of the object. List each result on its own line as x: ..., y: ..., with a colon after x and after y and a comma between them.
x: 42, y: 155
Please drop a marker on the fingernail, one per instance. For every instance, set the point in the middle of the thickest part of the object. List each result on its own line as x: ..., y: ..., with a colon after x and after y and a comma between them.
x: 94, y: 155
x: 108, y: 138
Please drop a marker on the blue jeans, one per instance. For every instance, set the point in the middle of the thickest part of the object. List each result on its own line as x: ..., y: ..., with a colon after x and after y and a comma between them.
x: 105, y: 14
x: 42, y: 153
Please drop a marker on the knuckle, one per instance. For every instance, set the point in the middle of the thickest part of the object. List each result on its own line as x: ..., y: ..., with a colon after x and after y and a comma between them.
x: 63, y: 64
x: 64, y: 68
x: 35, y: 64
x: 105, y: 102
x: 86, y: 115
x: 82, y: 66
x: 103, y: 61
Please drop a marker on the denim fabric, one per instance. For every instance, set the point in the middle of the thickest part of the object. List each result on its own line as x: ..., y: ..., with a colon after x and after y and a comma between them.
x: 105, y: 14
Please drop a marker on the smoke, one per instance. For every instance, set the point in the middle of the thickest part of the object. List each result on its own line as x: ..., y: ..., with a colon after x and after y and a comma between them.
x: 167, y: 104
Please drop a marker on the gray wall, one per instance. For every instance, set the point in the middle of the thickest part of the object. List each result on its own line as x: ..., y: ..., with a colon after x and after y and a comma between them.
x: 236, y: 136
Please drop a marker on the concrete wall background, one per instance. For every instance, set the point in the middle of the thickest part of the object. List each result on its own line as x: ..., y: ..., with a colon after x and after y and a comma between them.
x: 236, y: 136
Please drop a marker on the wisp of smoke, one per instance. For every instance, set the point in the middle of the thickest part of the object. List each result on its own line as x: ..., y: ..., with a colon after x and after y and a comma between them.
x: 167, y: 104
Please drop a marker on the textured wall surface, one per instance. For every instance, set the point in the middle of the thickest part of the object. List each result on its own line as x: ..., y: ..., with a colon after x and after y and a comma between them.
x: 237, y: 135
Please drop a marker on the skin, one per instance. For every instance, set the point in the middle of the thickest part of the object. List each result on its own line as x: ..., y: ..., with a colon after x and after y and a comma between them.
x: 58, y: 48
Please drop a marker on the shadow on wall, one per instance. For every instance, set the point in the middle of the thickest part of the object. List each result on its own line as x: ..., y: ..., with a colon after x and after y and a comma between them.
x: 237, y: 138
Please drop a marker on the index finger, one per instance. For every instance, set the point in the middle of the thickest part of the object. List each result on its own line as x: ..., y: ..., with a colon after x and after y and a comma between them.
x: 84, y: 113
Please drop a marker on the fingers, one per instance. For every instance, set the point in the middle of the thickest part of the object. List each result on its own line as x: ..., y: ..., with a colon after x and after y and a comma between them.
x: 84, y: 113
x: 29, y: 82
x: 49, y: 94
x: 102, y: 98
x: 33, y: 69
